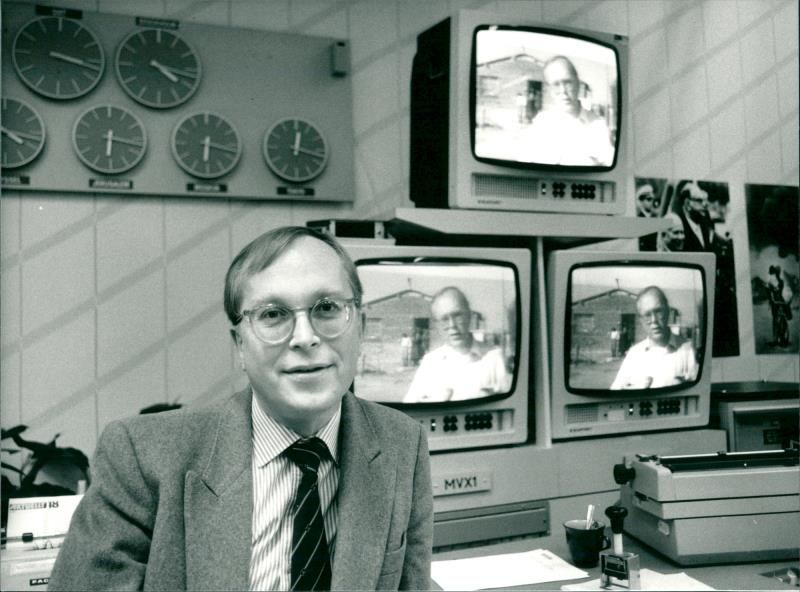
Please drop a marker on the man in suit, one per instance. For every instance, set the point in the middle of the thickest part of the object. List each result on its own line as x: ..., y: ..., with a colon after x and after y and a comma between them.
x: 698, y: 229
x: 210, y: 498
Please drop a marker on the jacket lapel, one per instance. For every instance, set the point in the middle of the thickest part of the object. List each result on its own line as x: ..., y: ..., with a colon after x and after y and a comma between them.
x: 218, y: 506
x: 365, y: 491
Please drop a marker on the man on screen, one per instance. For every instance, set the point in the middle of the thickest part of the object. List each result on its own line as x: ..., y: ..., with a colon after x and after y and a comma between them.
x: 563, y: 132
x: 462, y: 367
x: 661, y: 358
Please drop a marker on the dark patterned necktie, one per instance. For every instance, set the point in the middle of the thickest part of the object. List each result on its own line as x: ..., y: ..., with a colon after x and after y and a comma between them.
x: 311, y: 566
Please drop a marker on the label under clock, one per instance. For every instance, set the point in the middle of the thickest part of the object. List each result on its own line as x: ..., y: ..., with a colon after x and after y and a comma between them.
x: 125, y: 184
x: 16, y: 180
x: 207, y: 187
x: 296, y: 191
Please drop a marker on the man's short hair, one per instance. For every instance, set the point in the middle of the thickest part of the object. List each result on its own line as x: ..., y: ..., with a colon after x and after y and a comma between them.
x: 262, y: 251
x: 653, y: 290
x: 561, y: 58
x: 451, y: 290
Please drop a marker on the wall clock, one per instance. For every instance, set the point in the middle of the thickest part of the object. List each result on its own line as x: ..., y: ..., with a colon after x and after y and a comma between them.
x: 295, y: 150
x: 109, y: 139
x: 57, y: 57
x: 23, y: 133
x: 157, y: 68
x: 206, y: 145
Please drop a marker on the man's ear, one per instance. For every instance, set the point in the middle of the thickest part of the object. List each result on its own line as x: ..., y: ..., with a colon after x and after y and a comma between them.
x: 237, y: 341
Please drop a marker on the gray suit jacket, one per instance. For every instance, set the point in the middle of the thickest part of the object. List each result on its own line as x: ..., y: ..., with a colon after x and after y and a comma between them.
x: 170, y: 504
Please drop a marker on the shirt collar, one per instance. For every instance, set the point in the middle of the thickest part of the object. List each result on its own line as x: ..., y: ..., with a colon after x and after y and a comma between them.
x: 672, y: 344
x: 271, y: 438
x: 476, y: 351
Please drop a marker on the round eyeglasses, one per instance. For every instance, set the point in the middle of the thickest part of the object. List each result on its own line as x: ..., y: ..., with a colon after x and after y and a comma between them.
x: 274, y: 323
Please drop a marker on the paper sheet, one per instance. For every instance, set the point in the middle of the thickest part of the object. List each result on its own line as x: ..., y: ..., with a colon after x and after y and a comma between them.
x: 496, y: 571
x: 650, y: 580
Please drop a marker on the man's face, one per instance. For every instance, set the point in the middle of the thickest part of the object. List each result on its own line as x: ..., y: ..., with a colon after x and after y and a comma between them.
x: 452, y: 317
x: 654, y: 316
x: 696, y: 203
x: 300, y: 382
x: 562, y: 87
x: 674, y: 236
x: 647, y: 200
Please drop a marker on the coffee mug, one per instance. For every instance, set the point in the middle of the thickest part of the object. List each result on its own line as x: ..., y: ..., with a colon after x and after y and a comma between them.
x: 584, y: 543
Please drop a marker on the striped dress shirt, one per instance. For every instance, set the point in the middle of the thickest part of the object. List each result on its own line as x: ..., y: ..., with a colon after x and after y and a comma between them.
x: 275, y: 482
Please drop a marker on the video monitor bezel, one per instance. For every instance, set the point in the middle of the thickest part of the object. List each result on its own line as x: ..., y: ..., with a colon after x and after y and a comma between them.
x: 515, y: 164
x: 701, y: 355
x: 433, y: 259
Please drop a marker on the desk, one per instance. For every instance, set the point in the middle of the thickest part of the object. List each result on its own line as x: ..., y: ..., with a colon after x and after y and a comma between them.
x: 722, y: 577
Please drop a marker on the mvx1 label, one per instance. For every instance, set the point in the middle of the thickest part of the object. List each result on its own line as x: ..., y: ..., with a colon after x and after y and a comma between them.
x: 466, y: 482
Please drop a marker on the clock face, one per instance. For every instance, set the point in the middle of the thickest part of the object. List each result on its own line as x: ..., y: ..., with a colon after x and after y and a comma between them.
x: 57, y: 57
x: 109, y: 139
x: 23, y: 133
x: 157, y: 68
x: 206, y: 145
x: 295, y: 150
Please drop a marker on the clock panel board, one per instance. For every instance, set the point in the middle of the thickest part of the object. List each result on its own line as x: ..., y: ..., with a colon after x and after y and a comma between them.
x: 250, y: 79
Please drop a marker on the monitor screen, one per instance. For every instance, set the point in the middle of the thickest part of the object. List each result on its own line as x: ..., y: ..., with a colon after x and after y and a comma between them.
x: 544, y: 98
x: 634, y: 326
x: 438, y: 330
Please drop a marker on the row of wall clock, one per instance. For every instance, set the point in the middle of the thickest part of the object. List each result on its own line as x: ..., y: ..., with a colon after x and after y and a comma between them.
x: 110, y: 139
x: 62, y: 59
x: 157, y: 106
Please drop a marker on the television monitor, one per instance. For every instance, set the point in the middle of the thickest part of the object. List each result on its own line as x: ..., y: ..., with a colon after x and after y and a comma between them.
x: 630, y: 341
x: 447, y: 340
x: 514, y: 114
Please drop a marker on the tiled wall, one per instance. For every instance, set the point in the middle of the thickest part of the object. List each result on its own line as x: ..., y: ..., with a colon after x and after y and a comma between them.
x: 111, y: 304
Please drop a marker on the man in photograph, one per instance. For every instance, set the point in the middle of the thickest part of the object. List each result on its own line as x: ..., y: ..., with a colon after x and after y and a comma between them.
x: 671, y: 239
x: 661, y: 358
x: 647, y: 202
x: 698, y: 229
x: 563, y: 132
x: 462, y: 367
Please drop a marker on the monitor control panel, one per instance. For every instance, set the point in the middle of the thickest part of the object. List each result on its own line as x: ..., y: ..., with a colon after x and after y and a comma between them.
x: 644, y: 409
x: 576, y: 190
x: 451, y: 424
x: 566, y: 194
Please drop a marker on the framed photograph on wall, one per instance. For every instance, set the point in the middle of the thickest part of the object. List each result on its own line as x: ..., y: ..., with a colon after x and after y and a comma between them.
x: 699, y: 214
x: 772, y: 224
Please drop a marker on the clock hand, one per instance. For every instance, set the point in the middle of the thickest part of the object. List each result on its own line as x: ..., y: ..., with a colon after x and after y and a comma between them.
x: 14, y: 136
x: 206, y: 143
x: 109, y: 135
x: 73, y: 60
x: 311, y: 152
x: 127, y: 141
x: 223, y: 148
x: 164, y: 70
x: 296, y: 147
x: 180, y: 72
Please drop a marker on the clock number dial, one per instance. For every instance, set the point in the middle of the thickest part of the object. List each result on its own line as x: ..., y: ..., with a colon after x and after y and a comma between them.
x: 109, y: 139
x: 57, y: 57
x: 206, y: 145
x: 295, y: 150
x: 157, y: 68
x: 23, y: 133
